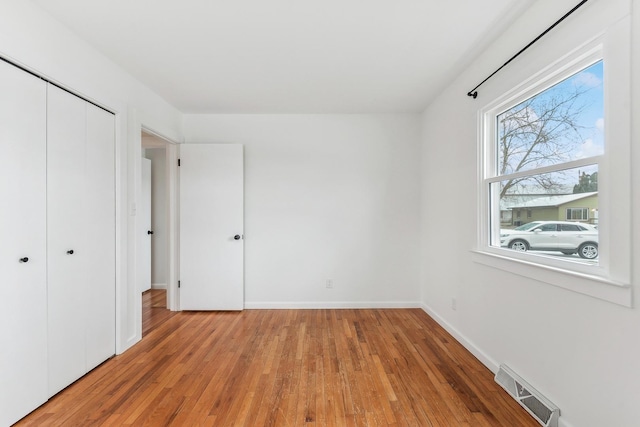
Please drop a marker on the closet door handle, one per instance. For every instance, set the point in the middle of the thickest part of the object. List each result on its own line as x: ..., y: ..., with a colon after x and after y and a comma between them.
x: 70, y: 251
x: 25, y: 259
x: 149, y: 232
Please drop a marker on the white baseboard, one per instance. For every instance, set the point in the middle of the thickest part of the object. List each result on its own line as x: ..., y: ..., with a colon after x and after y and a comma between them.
x: 475, y: 350
x: 466, y: 343
x: 121, y: 347
x: 158, y: 286
x: 307, y: 305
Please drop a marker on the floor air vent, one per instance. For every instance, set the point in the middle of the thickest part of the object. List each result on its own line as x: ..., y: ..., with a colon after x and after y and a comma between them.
x: 529, y: 398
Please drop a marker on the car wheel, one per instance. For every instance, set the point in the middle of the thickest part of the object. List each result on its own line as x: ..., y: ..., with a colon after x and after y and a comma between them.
x: 568, y: 252
x: 519, y: 245
x: 588, y: 250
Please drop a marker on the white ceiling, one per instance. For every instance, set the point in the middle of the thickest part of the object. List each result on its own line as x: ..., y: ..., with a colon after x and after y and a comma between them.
x: 289, y: 56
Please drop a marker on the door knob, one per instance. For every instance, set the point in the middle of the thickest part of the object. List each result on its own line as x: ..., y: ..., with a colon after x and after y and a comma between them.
x: 149, y: 232
x: 236, y: 237
x: 70, y: 251
x: 25, y: 259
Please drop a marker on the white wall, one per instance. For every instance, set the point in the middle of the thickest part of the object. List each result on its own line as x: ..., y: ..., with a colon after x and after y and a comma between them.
x: 158, y: 216
x: 581, y: 352
x: 326, y: 197
x: 30, y: 37
x: 339, y: 197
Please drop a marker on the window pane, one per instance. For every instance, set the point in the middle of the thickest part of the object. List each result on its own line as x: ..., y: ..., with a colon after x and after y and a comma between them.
x: 547, y: 227
x: 569, y: 227
x: 580, y: 214
x: 553, y: 214
x: 560, y: 124
x: 566, y: 182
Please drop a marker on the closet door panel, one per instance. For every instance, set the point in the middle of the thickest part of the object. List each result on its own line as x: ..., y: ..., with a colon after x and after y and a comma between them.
x: 99, y: 223
x: 67, y: 254
x: 23, y: 292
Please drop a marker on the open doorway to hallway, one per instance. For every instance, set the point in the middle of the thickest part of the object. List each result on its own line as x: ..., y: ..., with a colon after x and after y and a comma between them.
x: 153, y: 226
x: 154, y: 309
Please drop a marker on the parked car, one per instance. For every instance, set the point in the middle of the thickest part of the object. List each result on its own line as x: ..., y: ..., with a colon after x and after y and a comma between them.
x: 562, y: 236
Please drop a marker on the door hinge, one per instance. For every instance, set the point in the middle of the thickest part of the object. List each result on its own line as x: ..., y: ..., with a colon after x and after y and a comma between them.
x: 178, y: 284
x: 178, y: 162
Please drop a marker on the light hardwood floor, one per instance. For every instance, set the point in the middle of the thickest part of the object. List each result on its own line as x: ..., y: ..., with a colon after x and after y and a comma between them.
x: 287, y: 368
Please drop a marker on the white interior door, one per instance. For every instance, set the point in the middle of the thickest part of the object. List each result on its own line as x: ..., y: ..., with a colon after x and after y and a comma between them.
x: 144, y: 227
x: 211, y: 227
x: 23, y: 290
x: 66, y: 251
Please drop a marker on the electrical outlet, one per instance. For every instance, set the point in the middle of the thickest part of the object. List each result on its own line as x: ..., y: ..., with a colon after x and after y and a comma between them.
x: 454, y: 304
x: 329, y: 284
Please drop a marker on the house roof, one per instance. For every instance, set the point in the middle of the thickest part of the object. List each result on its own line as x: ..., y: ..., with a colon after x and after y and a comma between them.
x: 552, y: 201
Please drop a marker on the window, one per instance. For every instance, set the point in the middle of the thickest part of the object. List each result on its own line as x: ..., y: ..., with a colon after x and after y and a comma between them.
x: 557, y: 145
x: 547, y: 147
x: 577, y: 214
x: 572, y: 227
x: 506, y: 216
x: 547, y: 227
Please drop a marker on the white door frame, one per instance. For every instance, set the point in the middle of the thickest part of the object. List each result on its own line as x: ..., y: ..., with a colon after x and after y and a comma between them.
x: 171, y: 151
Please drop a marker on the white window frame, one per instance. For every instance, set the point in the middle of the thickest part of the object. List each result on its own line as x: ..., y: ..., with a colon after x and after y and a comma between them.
x: 610, y: 279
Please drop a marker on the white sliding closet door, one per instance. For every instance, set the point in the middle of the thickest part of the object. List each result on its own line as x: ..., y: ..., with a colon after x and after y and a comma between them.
x: 99, y: 236
x: 81, y: 237
x: 23, y: 292
x: 66, y: 251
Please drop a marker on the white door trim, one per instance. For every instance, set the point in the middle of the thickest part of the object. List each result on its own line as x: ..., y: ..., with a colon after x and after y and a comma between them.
x: 171, y: 155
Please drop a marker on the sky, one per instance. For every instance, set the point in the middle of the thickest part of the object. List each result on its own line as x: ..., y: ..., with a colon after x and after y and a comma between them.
x: 593, y: 116
x: 591, y: 120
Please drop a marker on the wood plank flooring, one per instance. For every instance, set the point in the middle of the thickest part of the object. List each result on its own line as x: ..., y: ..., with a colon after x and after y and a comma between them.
x: 287, y: 368
x: 154, y: 310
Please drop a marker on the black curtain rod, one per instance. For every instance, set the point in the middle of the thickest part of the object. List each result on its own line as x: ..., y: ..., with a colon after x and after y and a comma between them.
x: 474, y: 93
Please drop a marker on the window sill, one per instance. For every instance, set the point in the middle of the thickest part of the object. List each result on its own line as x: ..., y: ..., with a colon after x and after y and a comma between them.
x: 586, y: 284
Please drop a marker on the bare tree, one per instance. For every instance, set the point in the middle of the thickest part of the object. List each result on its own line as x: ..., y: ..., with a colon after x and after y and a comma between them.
x: 541, y: 131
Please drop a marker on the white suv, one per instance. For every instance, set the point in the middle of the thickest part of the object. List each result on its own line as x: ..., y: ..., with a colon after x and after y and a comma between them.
x: 563, y: 236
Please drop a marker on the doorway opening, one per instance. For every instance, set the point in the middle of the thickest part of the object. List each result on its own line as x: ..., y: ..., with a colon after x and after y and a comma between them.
x: 154, y: 309
x: 154, y: 225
